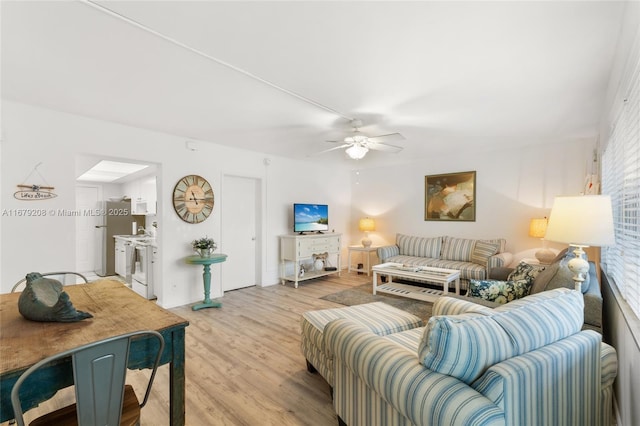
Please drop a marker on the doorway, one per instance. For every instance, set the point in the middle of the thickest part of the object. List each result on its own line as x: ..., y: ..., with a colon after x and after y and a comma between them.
x: 101, y: 179
x: 86, y: 200
x: 240, y: 231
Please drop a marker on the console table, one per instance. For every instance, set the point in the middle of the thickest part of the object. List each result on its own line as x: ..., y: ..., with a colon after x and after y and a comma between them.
x: 296, y: 249
x: 206, y: 262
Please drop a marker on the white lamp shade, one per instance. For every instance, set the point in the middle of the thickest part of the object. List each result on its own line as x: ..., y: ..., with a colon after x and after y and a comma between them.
x: 585, y: 220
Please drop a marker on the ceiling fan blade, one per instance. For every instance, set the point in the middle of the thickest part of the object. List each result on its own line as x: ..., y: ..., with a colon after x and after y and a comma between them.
x: 391, y: 137
x: 384, y: 147
x: 332, y: 149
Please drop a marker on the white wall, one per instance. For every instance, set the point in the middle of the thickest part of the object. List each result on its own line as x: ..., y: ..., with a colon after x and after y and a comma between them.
x: 32, y: 135
x: 512, y: 187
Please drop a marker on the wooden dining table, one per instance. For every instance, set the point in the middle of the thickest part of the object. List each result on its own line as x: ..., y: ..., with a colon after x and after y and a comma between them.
x: 116, y: 310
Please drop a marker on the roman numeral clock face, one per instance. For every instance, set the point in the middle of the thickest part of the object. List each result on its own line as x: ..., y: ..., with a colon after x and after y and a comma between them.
x: 193, y: 199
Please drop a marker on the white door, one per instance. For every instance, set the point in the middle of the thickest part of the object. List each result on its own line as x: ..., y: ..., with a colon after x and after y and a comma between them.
x: 86, y: 201
x: 239, y: 225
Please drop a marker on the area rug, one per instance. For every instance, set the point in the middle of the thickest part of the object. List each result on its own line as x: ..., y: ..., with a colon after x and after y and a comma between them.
x: 364, y: 294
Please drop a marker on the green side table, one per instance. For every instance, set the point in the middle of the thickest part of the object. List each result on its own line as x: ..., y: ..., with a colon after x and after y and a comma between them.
x: 206, y: 277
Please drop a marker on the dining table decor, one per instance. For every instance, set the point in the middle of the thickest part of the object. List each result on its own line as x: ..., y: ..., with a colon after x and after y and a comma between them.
x: 44, y: 299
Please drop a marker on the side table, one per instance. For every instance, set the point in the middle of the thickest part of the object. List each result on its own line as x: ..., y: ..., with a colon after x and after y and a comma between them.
x: 206, y: 262
x: 366, y: 252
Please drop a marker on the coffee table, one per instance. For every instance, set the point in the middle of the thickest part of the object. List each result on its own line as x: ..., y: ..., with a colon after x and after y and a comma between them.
x: 426, y: 274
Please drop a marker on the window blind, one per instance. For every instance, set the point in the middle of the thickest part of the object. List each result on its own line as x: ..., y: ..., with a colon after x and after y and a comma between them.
x: 621, y: 180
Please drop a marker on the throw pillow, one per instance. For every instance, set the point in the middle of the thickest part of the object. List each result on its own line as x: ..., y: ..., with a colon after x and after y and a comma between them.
x: 501, y: 241
x: 499, y: 291
x: 463, y: 346
x: 525, y: 271
x: 483, y: 251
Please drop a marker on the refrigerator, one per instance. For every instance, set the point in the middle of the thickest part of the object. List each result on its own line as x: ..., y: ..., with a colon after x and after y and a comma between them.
x: 116, y: 220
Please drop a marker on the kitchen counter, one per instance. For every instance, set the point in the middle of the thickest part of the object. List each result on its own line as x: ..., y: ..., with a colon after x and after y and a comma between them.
x: 135, y: 258
x: 127, y: 254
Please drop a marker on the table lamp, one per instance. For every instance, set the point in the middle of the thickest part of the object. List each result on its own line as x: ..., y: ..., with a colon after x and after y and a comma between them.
x: 366, y: 225
x: 581, y: 221
x: 538, y: 229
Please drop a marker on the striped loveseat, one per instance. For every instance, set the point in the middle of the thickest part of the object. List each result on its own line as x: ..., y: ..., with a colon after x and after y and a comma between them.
x: 524, y: 363
x: 473, y: 258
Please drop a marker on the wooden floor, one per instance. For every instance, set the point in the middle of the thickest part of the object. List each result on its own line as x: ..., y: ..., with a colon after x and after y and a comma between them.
x: 243, y: 361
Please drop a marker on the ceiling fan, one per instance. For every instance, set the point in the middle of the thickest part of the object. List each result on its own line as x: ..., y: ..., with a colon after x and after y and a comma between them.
x: 357, y: 145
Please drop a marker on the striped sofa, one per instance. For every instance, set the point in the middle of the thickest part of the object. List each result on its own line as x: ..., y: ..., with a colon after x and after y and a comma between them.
x: 473, y: 258
x: 524, y: 363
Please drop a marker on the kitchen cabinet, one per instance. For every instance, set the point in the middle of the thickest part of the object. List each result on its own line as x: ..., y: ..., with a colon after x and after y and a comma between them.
x: 143, y: 195
x: 121, y: 257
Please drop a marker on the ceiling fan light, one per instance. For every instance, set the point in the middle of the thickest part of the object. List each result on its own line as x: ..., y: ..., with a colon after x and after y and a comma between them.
x: 357, y: 152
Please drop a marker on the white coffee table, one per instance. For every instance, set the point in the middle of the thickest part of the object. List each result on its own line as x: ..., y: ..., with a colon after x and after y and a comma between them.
x: 424, y: 274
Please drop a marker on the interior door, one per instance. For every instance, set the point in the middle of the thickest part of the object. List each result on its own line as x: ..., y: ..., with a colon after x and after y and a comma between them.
x: 239, y: 231
x: 86, y: 202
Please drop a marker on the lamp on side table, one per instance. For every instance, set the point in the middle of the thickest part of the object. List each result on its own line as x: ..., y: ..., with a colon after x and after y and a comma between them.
x: 366, y: 225
x: 581, y: 221
x: 538, y: 229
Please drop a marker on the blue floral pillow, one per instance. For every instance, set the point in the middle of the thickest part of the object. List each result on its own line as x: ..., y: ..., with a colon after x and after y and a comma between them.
x: 499, y: 291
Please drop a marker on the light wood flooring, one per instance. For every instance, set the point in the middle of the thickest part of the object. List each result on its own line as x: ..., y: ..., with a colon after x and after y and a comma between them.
x: 243, y: 361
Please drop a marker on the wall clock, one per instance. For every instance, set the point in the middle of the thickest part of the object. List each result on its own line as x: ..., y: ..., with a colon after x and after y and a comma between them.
x: 193, y: 199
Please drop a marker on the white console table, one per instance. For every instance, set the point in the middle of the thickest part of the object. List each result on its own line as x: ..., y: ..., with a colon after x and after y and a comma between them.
x: 298, y: 248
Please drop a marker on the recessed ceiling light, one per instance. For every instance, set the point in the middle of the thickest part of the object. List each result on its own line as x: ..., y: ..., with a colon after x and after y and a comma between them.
x: 108, y: 171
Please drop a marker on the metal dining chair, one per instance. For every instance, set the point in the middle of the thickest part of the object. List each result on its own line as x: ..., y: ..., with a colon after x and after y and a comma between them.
x: 63, y: 274
x: 99, y: 372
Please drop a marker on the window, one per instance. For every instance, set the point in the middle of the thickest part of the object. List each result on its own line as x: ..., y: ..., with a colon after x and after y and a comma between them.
x: 621, y: 180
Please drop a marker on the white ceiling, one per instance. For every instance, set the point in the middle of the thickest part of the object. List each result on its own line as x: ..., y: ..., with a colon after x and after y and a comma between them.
x: 449, y: 76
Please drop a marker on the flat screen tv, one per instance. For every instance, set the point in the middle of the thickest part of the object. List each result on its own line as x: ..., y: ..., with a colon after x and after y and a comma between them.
x: 310, y: 218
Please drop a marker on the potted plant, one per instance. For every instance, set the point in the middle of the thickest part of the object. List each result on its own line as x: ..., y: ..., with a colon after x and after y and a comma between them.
x: 204, y: 246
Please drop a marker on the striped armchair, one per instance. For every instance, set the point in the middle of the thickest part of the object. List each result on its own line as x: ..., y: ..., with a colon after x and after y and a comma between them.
x: 473, y: 258
x: 525, y: 363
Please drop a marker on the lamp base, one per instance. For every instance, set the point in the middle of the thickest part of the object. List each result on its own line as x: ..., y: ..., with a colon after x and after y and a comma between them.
x: 579, y: 266
x: 366, y: 242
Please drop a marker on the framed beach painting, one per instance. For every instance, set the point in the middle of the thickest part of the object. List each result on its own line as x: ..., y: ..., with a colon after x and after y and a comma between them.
x: 450, y: 197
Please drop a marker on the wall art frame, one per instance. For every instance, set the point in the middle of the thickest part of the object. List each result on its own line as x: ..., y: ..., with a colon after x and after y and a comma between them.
x: 450, y: 197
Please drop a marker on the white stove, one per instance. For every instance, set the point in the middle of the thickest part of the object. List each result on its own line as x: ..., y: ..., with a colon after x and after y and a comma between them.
x: 142, y: 278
